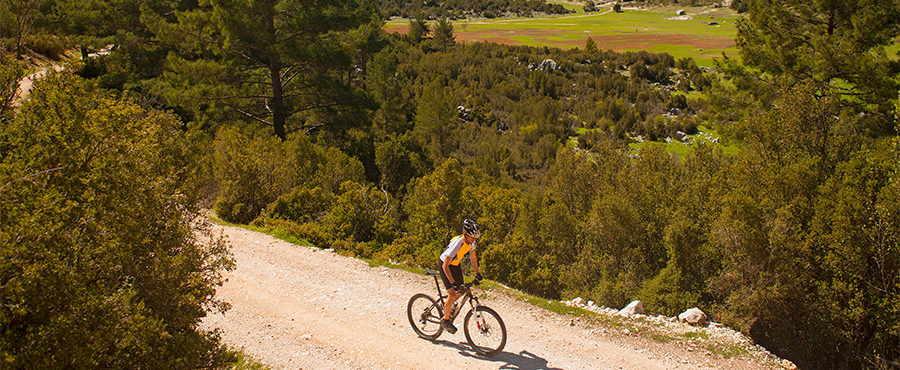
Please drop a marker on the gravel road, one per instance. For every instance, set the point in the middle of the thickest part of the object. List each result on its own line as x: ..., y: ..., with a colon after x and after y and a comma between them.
x: 296, y: 307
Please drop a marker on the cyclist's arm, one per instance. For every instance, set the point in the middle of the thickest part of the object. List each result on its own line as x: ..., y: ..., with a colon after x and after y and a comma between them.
x: 446, y: 268
x: 474, y: 258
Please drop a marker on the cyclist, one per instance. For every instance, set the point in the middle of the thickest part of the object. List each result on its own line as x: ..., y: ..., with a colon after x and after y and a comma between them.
x: 451, y: 273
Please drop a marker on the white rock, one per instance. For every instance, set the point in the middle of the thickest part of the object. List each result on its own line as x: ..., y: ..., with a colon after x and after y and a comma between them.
x: 693, y: 316
x: 635, y: 307
x: 578, y: 302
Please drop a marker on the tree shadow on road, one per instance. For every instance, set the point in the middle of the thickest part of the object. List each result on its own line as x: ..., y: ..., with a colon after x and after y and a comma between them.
x: 511, y: 361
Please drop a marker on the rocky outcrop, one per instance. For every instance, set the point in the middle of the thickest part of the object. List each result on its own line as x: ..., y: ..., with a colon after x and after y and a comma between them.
x: 693, y: 316
x: 633, y: 308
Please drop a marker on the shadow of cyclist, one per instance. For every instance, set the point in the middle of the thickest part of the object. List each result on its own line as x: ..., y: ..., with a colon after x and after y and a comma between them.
x: 522, y: 361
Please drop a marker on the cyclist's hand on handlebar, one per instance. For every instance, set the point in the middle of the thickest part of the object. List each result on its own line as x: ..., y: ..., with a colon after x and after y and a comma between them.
x: 478, y: 277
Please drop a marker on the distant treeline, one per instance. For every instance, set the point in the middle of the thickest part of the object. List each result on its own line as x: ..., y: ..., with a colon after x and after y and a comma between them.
x: 461, y: 9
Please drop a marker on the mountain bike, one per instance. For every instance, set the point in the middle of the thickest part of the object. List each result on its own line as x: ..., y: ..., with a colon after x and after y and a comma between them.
x: 484, y: 329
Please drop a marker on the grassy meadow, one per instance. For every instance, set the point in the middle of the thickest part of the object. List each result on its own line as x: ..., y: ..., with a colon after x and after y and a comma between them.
x: 651, y: 29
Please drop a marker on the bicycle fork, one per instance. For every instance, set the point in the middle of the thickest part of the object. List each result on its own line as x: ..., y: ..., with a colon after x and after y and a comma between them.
x: 480, y: 322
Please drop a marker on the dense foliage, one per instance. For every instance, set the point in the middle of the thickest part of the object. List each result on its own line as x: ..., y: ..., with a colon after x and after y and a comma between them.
x: 786, y: 241
x: 280, y: 63
x: 100, y: 265
x: 793, y: 240
x: 837, y: 45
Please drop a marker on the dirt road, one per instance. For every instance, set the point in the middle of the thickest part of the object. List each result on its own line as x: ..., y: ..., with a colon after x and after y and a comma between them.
x: 296, y: 307
x: 27, y: 81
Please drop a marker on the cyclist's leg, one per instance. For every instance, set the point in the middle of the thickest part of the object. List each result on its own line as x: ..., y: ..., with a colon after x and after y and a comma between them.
x: 452, y: 294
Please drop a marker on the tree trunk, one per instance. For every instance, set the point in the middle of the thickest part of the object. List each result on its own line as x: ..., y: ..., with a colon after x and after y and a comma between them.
x: 277, y: 107
x: 278, y: 113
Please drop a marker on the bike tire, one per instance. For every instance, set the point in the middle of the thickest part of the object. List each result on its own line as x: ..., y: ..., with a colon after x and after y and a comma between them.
x: 485, y: 331
x: 424, y: 316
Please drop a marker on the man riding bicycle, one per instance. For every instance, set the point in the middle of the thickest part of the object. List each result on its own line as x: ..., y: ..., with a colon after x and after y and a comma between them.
x: 451, y: 273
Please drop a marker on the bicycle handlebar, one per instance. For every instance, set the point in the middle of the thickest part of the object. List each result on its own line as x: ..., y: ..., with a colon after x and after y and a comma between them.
x: 471, y: 284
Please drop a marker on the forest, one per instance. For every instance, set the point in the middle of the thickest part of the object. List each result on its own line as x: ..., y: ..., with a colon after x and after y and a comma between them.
x: 307, y: 119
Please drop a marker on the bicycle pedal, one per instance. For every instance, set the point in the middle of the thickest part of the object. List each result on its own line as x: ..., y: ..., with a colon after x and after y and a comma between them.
x: 448, y: 326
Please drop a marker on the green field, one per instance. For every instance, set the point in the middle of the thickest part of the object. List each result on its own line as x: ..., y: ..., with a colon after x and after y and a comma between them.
x: 706, y: 135
x: 655, y: 30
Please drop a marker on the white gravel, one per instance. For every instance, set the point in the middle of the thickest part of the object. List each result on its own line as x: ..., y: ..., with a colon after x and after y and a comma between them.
x: 295, y: 307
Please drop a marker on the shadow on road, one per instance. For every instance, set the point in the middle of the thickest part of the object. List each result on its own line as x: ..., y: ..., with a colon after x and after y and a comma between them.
x: 511, y: 361
x: 522, y: 361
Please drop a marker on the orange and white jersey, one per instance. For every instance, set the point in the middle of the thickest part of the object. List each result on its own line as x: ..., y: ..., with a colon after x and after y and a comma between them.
x: 457, y: 249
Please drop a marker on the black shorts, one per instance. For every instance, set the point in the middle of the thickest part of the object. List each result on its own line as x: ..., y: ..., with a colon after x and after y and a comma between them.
x: 455, y: 271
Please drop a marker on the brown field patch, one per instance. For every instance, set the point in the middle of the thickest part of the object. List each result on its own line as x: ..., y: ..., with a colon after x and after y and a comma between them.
x: 621, y: 42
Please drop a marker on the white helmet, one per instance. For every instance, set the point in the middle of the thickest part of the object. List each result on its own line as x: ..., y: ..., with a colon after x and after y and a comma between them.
x: 470, y: 228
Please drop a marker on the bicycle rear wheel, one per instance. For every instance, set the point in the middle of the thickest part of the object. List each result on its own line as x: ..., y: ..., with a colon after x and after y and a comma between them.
x: 485, y: 331
x: 425, y: 316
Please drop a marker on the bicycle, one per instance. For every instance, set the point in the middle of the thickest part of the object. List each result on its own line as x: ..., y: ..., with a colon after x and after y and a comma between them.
x: 486, y: 333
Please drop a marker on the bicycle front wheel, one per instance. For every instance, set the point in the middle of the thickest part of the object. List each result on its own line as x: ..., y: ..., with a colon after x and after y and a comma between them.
x: 425, y: 316
x: 485, y: 331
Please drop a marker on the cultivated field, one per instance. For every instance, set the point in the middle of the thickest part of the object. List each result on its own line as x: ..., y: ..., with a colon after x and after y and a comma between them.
x: 651, y: 29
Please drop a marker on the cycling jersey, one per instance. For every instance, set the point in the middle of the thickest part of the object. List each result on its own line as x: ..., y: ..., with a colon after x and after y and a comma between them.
x: 457, y: 249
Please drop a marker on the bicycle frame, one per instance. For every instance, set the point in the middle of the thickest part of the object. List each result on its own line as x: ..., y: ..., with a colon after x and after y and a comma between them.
x: 483, y: 327
x: 467, y: 298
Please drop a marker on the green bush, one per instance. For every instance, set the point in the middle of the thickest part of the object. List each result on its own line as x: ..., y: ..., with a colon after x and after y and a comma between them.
x: 253, y: 171
x: 50, y: 46
x: 434, y: 214
x: 311, y: 232
x: 11, y: 72
x: 355, y: 214
x: 337, y: 169
x: 663, y: 294
x: 302, y: 205
x: 100, y: 266
x: 515, y: 262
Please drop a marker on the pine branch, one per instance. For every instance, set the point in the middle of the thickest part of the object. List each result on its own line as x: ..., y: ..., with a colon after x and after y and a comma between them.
x: 248, y: 114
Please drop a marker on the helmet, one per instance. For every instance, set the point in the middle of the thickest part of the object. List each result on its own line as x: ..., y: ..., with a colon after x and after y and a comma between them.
x: 470, y: 228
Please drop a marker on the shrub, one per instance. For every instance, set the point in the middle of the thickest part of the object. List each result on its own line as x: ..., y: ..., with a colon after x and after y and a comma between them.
x: 302, y: 205
x: 50, y: 46
x: 337, y: 169
x: 253, y: 171
x: 100, y: 266
x: 356, y: 212
x: 11, y: 72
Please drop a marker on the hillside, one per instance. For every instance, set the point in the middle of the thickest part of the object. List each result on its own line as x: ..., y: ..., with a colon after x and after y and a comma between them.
x: 296, y: 307
x: 763, y: 191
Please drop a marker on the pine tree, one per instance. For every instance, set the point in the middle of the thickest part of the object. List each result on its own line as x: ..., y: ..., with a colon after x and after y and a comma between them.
x: 276, y: 62
x: 435, y: 120
x: 443, y: 34
x: 837, y: 44
x: 590, y: 45
x: 418, y: 29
